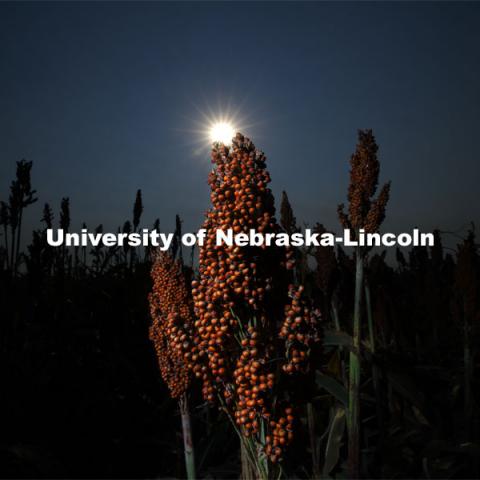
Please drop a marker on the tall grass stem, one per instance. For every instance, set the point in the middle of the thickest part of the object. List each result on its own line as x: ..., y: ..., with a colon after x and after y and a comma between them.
x: 187, y: 437
x: 354, y: 374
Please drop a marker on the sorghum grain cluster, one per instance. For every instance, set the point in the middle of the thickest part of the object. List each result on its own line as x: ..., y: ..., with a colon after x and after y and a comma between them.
x: 364, y: 211
x: 239, y: 298
x: 171, y: 332
x: 299, y: 330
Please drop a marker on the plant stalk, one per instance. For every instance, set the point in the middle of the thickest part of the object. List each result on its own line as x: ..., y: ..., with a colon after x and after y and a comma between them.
x: 12, y: 248
x: 375, y: 369
x: 371, y: 332
x: 354, y: 374
x: 336, y: 320
x: 187, y: 437
x: 17, y: 250
x: 248, y: 473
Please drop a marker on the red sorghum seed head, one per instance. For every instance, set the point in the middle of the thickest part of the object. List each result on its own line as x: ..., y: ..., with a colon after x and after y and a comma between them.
x: 363, y: 210
x: 240, y: 294
x: 171, y: 331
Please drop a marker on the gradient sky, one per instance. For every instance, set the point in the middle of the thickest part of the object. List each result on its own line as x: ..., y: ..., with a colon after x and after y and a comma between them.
x: 106, y: 98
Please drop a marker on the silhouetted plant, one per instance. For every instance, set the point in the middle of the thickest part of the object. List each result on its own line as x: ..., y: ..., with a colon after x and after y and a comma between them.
x: 137, y: 210
x: 21, y: 196
x: 137, y: 215
x: 364, y: 212
x: 64, y: 224
x: 127, y: 229
x: 47, y: 216
x: 287, y: 219
x: 97, y: 253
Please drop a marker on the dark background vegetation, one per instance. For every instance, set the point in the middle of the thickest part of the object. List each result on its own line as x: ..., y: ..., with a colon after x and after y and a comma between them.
x: 82, y: 397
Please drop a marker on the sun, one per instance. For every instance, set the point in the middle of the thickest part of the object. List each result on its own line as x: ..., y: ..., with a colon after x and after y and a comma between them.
x: 217, y: 125
x: 222, y: 132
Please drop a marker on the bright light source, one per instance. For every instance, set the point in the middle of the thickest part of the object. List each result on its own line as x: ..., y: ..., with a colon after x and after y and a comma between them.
x: 222, y: 132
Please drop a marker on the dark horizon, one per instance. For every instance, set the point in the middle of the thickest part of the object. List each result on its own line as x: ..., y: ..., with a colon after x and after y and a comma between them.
x: 106, y: 99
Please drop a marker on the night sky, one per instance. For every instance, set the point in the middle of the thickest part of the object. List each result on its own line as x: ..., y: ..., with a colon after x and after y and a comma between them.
x: 106, y: 98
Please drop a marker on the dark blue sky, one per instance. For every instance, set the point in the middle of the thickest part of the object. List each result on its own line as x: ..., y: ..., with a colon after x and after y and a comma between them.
x: 104, y: 98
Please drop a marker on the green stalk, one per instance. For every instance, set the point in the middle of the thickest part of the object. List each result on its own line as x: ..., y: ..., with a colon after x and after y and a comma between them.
x: 336, y: 320
x: 256, y: 469
x: 375, y: 370
x: 247, y: 470
x: 187, y: 437
x: 353, y: 421
x: 371, y: 332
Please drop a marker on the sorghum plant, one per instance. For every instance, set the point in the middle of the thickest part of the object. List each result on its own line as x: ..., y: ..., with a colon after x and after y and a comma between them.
x: 326, y: 272
x: 287, y: 218
x: 364, y: 212
x: 246, y: 339
x: 171, y: 332
x: 137, y: 215
x: 21, y: 196
x: 65, y: 225
x: 47, y: 216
